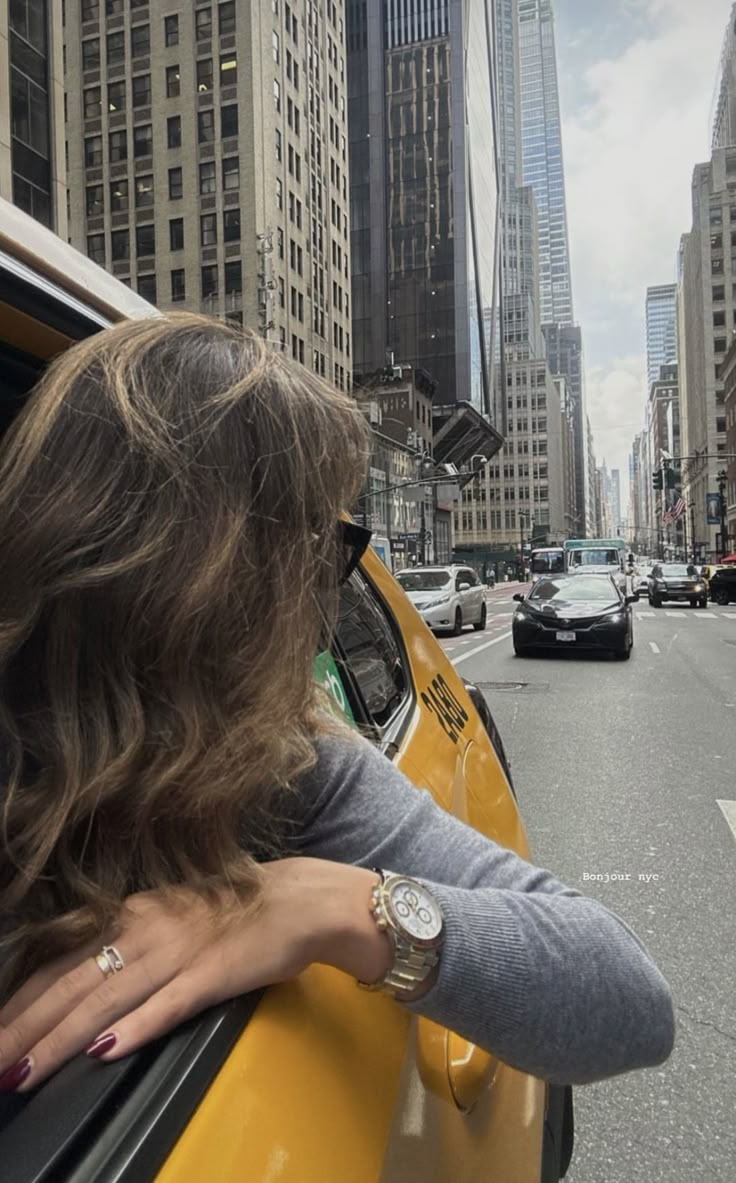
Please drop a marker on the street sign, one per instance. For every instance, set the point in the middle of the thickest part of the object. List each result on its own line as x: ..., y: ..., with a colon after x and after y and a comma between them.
x: 713, y: 508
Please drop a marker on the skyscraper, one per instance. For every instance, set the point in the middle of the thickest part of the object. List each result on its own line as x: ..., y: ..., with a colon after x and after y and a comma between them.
x: 424, y: 191
x: 724, y: 103
x: 208, y: 156
x: 661, y: 314
x: 541, y: 147
x: 32, y: 165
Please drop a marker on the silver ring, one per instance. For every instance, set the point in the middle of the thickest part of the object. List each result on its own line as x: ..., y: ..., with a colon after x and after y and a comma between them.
x: 109, y: 961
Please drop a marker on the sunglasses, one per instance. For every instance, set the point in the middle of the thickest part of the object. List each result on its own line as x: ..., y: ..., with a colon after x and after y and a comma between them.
x: 354, y: 540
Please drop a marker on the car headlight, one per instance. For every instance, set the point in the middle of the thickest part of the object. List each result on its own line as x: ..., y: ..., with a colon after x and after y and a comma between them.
x: 699, y: 587
x: 442, y: 600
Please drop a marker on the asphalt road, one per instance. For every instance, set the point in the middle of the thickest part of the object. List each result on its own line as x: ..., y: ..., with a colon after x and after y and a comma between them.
x: 619, y: 769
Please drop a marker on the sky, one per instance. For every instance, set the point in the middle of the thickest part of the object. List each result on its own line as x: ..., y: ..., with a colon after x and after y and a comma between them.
x: 637, y: 79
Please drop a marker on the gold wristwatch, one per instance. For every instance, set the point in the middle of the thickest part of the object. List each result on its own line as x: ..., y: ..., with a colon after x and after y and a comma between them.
x: 412, y: 919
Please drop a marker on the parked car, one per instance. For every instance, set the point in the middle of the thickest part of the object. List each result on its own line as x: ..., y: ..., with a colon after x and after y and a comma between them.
x: 312, y: 1080
x: 722, y: 588
x: 446, y: 597
x: 641, y: 581
x: 679, y: 582
x: 574, y: 612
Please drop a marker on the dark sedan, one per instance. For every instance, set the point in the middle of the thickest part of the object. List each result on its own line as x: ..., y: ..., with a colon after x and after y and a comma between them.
x: 574, y: 612
x: 677, y: 581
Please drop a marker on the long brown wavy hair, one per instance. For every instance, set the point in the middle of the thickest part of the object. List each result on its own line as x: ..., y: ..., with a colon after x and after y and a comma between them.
x: 169, y: 500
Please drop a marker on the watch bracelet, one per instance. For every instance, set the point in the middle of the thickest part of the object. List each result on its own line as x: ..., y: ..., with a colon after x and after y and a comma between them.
x: 405, y: 974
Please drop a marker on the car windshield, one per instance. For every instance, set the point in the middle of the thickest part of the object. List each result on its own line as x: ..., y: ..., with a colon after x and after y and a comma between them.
x: 679, y: 571
x: 423, y: 580
x: 551, y: 563
x: 574, y: 590
x: 595, y: 558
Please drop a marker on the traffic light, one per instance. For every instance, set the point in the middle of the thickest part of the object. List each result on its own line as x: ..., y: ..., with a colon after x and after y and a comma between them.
x: 657, y: 479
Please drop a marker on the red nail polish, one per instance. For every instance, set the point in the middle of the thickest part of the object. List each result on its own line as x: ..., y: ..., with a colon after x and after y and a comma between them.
x: 102, y: 1044
x: 15, y: 1076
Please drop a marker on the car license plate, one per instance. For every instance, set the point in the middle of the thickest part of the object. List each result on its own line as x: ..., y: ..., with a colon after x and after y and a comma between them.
x: 566, y: 636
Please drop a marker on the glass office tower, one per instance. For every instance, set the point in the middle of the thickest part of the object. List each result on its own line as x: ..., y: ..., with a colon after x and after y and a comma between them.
x: 424, y: 191
x: 661, y: 328
x: 541, y: 145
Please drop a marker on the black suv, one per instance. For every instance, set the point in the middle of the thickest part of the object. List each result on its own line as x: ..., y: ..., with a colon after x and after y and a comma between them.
x: 677, y: 581
x: 723, y: 585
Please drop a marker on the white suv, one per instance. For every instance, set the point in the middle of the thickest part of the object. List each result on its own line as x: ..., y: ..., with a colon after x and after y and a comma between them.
x: 446, y: 597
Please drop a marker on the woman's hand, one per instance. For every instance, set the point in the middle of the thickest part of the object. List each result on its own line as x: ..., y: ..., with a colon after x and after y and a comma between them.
x: 180, y: 956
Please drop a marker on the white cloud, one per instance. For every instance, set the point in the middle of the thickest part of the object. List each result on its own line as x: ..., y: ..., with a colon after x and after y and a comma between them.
x: 630, y: 144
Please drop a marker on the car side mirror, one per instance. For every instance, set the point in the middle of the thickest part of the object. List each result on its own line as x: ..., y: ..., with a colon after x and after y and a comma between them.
x: 518, y: 597
x: 463, y: 586
x: 633, y: 598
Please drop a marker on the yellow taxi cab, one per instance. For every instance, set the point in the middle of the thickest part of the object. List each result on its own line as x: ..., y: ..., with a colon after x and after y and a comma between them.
x: 312, y: 1081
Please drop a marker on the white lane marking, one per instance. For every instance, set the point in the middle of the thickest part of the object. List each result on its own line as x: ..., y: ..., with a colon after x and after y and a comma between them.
x: 654, y: 647
x: 728, y: 809
x: 487, y: 645
x: 644, y: 615
x: 706, y: 616
x: 728, y: 615
x: 674, y: 615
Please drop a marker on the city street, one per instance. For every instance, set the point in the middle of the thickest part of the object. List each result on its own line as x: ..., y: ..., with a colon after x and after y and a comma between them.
x: 620, y: 769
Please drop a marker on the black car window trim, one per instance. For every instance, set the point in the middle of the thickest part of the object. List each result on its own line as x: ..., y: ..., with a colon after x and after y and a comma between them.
x: 119, y: 1122
x: 45, y: 301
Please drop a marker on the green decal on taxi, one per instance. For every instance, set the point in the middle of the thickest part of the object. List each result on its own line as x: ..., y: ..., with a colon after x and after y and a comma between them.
x: 327, y: 674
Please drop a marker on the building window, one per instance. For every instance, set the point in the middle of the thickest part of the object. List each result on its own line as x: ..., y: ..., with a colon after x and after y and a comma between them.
x: 176, y: 234
x: 173, y: 131
x: 144, y: 191
x: 280, y: 242
x: 209, y: 280
x: 92, y: 102
x: 279, y: 194
x: 277, y: 94
x: 234, y: 316
x: 228, y: 70
x: 171, y: 30
x: 115, y: 48
x: 204, y: 75
x: 93, y: 151
x: 116, y: 96
x: 140, y: 41
x: 173, y: 82
x: 120, y: 243
x: 176, y: 184
x: 277, y: 144
x: 142, y: 140
x: 119, y: 196
x: 147, y: 287
x: 226, y: 18
x: 96, y: 248
x: 231, y: 225
x: 95, y: 201
x: 231, y: 172
x: 208, y: 229
x: 145, y: 240
x: 114, y: 7
x: 275, y: 47
x: 142, y: 90
x: 206, y: 126
x: 233, y: 277
x: 229, y: 121
x: 91, y: 54
x: 90, y: 10
x: 207, y: 177
x: 178, y: 285
x: 203, y: 24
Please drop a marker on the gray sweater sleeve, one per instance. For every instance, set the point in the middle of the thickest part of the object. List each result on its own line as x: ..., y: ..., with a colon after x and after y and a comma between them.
x: 547, y: 979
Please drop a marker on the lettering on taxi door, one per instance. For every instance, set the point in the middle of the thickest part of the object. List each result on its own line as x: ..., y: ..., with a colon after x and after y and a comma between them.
x: 446, y: 708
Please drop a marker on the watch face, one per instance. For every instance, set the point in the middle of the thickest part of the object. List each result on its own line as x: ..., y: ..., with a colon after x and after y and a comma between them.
x: 416, y: 910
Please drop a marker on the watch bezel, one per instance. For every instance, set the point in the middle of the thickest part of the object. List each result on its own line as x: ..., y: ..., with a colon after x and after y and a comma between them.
x: 397, y: 924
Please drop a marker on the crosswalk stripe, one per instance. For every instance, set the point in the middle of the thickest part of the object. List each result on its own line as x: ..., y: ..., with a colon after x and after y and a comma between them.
x: 706, y: 616
x: 644, y: 615
x: 674, y: 615
x: 728, y: 615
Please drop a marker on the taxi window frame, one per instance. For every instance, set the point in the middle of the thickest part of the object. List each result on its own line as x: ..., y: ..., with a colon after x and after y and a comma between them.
x: 387, y: 736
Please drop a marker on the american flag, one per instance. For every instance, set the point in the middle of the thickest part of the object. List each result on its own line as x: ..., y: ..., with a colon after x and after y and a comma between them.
x: 678, y: 509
